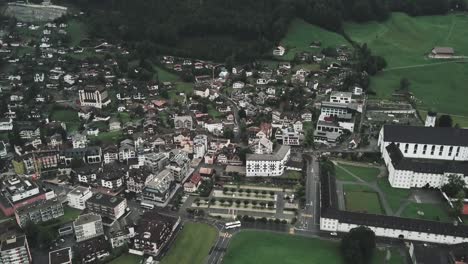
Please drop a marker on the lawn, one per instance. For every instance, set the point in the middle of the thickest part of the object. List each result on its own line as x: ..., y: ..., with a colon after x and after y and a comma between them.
x: 166, y: 76
x: 433, y: 212
x: 127, y: 259
x: 77, y: 31
x: 192, y: 244
x: 108, y: 137
x: 365, y: 173
x: 395, y: 197
x: 254, y: 247
x: 301, y: 34
x: 68, y: 116
x: 362, y: 199
x: 213, y: 112
x: 404, y: 41
x: 292, y: 175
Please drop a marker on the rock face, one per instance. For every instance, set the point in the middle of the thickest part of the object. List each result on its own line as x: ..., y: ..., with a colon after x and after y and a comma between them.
x: 25, y: 12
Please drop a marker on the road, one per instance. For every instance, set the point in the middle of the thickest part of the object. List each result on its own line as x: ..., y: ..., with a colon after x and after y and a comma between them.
x: 311, y: 213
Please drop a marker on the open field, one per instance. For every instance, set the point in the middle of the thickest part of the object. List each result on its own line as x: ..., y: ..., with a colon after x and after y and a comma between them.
x: 365, y: 173
x: 108, y: 137
x: 457, y: 119
x: 404, y: 41
x: 360, y: 198
x: 301, y: 34
x: 394, y: 196
x: 69, y: 117
x: 166, y: 76
x: 253, y: 247
x: 77, y: 31
x: 191, y: 245
x: 127, y: 259
x: 433, y: 212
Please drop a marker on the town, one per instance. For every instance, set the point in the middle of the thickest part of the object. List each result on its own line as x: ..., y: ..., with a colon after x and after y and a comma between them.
x: 107, y: 156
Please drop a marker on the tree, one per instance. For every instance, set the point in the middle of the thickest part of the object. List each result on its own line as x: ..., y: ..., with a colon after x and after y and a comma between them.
x: 228, y: 133
x: 454, y: 186
x: 358, y: 245
x: 459, y: 203
x: 445, y: 121
x: 404, y: 84
x: 309, y: 137
x: 242, y: 113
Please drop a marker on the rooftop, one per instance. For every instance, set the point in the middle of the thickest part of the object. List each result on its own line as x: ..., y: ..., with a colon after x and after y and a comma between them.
x: 60, y: 256
x: 87, y: 218
x: 105, y: 200
x: 426, y: 135
x: 278, y: 155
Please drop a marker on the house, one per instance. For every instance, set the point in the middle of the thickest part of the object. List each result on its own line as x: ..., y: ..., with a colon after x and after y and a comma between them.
x: 93, y: 250
x: 112, y: 207
x: 94, y: 96
x: 268, y: 164
x: 238, y: 85
x: 61, y: 256
x: 200, y: 146
x: 291, y: 137
x: 442, y: 53
x: 183, y: 122
x: 158, y: 190
x: 192, y: 184
x: 179, y: 165
x: 110, y: 153
x: 79, y: 140
x: 3, y: 150
x: 6, y: 124
x: 114, y: 124
x: 153, y: 232
x: 279, y: 51
x: 127, y: 150
x: 202, y: 92
x: 340, y: 97
x: 138, y: 178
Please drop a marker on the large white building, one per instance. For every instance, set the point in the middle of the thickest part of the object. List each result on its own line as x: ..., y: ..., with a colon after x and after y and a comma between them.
x: 332, y: 219
x: 423, y: 156
x: 200, y: 146
x: 268, y: 164
x: 15, y: 249
x: 94, y: 96
x: 77, y: 197
x: 88, y: 226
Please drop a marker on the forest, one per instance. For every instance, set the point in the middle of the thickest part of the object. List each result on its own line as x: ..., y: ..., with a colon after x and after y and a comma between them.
x: 240, y: 30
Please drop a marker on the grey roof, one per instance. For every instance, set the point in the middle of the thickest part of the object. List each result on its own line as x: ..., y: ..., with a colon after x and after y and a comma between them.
x: 87, y: 218
x: 444, y: 50
x: 105, y: 200
x: 276, y: 156
x: 426, y: 135
x: 60, y: 256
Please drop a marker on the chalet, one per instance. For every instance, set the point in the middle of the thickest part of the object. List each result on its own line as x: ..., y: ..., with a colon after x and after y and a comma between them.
x: 442, y: 53
x: 279, y: 51
x: 193, y: 183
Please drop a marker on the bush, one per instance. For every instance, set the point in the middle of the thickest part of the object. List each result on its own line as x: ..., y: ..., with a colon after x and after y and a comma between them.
x: 272, y: 193
x: 254, y: 203
x: 284, y: 222
x: 225, y: 190
x: 277, y: 221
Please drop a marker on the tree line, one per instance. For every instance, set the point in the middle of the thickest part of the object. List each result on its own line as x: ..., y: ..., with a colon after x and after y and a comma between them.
x: 241, y: 30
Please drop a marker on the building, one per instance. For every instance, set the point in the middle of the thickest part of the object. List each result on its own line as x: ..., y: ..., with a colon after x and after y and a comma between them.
x: 17, y: 192
x: 94, y: 96
x: 179, y: 165
x: 27, y: 12
x: 155, y: 161
x: 193, y: 183
x: 15, y: 249
x: 38, y: 212
x: 268, y: 164
x: 430, y: 119
x: 279, y: 51
x: 77, y: 197
x: 200, y: 146
x: 332, y: 219
x: 119, y: 238
x: 61, y: 256
x: 183, y: 122
x: 112, y: 176
x: 6, y: 124
x: 3, y: 150
x: 153, y: 232
x: 291, y: 137
x: 112, y: 207
x: 138, y: 178
x: 127, y: 150
x: 442, y: 53
x: 93, y: 250
x: 79, y: 140
x: 423, y: 156
x: 88, y: 226
x: 159, y: 189
x: 340, y: 97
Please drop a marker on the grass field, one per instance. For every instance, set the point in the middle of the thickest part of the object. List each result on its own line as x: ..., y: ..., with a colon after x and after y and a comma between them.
x: 365, y: 173
x: 69, y: 117
x: 166, y: 76
x: 253, y: 247
x: 404, y: 41
x: 127, y: 259
x: 433, y: 212
x: 108, y: 137
x: 360, y: 198
x: 395, y: 196
x: 301, y: 34
x: 77, y: 31
x: 191, y: 245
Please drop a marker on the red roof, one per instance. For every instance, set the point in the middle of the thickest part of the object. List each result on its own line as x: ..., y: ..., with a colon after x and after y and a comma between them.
x: 465, y: 209
x: 206, y: 171
x: 196, y: 178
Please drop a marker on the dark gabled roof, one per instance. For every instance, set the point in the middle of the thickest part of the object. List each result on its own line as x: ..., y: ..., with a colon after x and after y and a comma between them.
x: 329, y: 209
x: 426, y: 135
x: 399, y: 162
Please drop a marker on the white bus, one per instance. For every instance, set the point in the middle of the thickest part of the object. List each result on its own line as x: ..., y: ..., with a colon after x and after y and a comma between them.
x: 231, y: 225
x: 147, y: 206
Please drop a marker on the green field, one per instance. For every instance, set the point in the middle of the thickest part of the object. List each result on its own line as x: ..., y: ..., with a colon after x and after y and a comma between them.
x: 192, y: 245
x: 365, y: 173
x: 404, y: 41
x: 394, y: 196
x: 127, y: 259
x: 166, y: 76
x: 301, y: 34
x: 360, y: 198
x: 77, y: 31
x: 433, y: 212
x: 68, y: 116
x: 254, y: 247
x: 108, y: 137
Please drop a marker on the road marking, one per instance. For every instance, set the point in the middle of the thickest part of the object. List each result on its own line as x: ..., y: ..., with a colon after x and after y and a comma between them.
x: 307, y: 215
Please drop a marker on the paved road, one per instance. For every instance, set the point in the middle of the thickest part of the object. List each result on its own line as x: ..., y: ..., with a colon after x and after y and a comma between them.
x: 311, y: 213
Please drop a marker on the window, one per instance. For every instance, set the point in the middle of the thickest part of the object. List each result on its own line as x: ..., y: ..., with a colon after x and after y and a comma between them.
x: 406, y: 147
x: 424, y: 149
x: 432, y: 150
x: 441, y: 149
x: 458, y: 151
x: 450, y: 150
x: 415, y: 149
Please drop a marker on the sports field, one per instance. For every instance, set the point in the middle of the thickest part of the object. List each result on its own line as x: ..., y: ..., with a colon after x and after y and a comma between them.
x: 362, y: 199
x: 405, y: 41
x: 254, y: 247
x: 367, y: 174
x: 301, y: 34
x: 191, y: 245
x: 433, y: 212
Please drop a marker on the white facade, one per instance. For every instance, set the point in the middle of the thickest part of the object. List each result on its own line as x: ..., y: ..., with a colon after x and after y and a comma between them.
x: 334, y: 225
x: 6, y: 124
x: 77, y: 197
x: 95, y: 98
x: 268, y: 165
x: 340, y: 97
x: 88, y: 226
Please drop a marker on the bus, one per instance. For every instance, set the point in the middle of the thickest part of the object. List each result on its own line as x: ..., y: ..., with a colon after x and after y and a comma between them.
x: 147, y: 206
x: 231, y: 225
